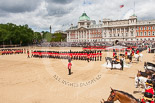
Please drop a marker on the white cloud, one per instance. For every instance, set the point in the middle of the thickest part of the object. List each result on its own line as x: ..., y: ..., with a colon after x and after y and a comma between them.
x: 60, y: 14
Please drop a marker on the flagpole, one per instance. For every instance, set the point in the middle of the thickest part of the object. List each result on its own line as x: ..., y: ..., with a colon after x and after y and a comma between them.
x: 120, y: 14
x: 121, y: 6
x: 84, y: 5
x: 134, y: 7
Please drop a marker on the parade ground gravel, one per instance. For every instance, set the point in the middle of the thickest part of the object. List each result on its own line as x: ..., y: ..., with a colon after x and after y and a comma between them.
x: 35, y: 80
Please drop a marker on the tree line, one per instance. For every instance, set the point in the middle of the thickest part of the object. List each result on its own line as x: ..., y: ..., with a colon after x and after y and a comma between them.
x: 54, y: 37
x: 12, y: 34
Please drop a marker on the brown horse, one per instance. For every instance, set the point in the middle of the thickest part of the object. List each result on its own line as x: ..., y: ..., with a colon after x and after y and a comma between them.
x: 149, y: 71
x: 144, y: 74
x: 121, y: 96
x: 103, y: 101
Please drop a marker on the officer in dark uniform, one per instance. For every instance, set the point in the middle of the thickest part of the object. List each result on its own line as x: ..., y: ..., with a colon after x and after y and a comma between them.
x: 100, y: 55
x: 28, y: 54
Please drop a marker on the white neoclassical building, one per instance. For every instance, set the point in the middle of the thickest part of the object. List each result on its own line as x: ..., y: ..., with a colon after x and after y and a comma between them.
x: 110, y: 30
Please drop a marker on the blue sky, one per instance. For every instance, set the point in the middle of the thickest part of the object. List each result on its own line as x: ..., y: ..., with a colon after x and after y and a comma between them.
x: 40, y: 14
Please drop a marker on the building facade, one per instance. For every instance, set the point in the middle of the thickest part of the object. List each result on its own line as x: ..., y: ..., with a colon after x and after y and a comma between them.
x: 110, y: 30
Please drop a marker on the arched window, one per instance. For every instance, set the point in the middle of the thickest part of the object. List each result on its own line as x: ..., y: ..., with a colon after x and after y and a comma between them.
x: 137, y: 33
x: 145, y: 28
x: 149, y: 28
x: 145, y: 33
x: 141, y: 33
x: 149, y: 33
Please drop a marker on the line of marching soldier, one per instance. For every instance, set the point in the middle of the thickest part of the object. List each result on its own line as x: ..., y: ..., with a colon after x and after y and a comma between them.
x: 11, y: 51
x: 76, y: 55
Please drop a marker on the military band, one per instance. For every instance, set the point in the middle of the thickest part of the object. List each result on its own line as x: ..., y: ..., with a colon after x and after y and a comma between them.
x: 11, y: 51
x: 71, y: 55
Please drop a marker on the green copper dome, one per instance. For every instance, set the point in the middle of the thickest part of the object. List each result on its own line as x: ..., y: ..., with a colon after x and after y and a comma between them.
x: 134, y: 15
x: 84, y: 17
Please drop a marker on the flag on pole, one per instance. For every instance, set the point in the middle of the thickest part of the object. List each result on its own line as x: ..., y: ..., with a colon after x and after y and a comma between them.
x: 84, y: 2
x: 121, y: 6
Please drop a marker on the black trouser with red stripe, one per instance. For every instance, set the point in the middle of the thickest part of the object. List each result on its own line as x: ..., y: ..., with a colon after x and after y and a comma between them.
x: 88, y: 59
x: 69, y: 70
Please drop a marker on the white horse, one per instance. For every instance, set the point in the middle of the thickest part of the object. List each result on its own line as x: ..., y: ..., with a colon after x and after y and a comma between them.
x: 138, y: 56
x: 111, y: 64
x: 140, y: 82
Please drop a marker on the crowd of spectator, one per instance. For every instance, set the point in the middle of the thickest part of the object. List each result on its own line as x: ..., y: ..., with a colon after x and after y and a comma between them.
x: 88, y: 44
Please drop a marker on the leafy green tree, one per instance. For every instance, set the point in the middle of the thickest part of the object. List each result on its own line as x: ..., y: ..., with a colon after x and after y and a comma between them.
x: 57, y: 37
x: 13, y: 34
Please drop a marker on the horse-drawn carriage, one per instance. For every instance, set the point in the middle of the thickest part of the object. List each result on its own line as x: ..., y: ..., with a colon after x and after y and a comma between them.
x: 149, y: 65
x: 118, y: 59
x: 114, y: 63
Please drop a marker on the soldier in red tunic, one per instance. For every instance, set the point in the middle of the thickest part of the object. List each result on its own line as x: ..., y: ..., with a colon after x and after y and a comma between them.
x: 149, y: 87
x: 69, y: 68
x: 148, y: 98
x: 137, y: 52
x: 88, y: 57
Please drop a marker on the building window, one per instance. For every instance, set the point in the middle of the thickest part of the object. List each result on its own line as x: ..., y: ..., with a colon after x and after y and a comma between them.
x: 141, y: 33
x: 118, y: 34
x: 145, y: 33
x: 149, y: 33
x: 153, y: 27
x: 153, y: 33
x: 110, y: 35
x: 126, y: 34
x: 137, y: 33
x: 137, y: 28
x: 141, y: 28
x: 131, y: 33
x: 149, y: 28
x: 145, y: 28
